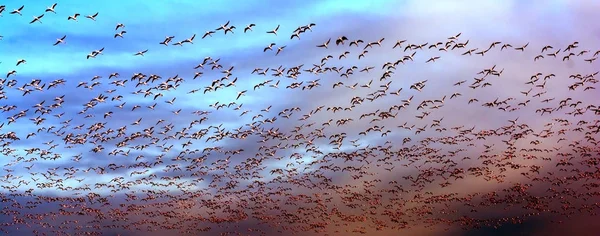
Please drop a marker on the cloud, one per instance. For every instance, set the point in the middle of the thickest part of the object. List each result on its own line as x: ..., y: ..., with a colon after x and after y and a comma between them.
x: 288, y: 174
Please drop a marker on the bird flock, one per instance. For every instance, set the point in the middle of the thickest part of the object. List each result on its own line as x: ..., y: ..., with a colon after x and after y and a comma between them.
x: 364, y: 150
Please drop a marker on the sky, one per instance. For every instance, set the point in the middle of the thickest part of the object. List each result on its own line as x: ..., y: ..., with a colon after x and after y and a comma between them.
x: 480, y: 23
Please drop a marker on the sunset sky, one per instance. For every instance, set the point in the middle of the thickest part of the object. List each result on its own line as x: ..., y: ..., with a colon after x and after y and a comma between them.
x: 147, y: 23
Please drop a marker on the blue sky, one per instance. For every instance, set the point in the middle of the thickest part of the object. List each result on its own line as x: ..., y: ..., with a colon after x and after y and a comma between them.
x: 149, y: 25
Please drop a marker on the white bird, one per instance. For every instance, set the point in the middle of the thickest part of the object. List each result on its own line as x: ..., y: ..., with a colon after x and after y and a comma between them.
x: 270, y: 47
x: 92, y: 17
x: 190, y: 40
x: 73, y: 17
x: 242, y: 93
x: 98, y: 51
x: 18, y: 11
x: 37, y: 18
x: 273, y: 31
x: 279, y: 49
x: 21, y: 61
x: 141, y: 53
x: 60, y: 40
x: 223, y: 27
x: 51, y: 8
x: 119, y: 25
x: 249, y: 27
x: 120, y: 34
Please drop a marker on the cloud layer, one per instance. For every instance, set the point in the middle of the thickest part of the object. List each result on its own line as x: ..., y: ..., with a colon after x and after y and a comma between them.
x: 347, y: 139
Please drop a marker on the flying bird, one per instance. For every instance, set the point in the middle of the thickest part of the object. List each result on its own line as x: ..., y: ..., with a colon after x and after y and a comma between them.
x: 51, y: 8
x: 274, y: 31
x: 119, y: 25
x: 92, y: 17
x: 270, y: 47
x: 21, y: 61
x: 249, y: 27
x: 340, y: 40
x: 120, y: 34
x: 324, y: 45
x: 208, y: 33
x: 37, y: 18
x: 167, y: 40
x: 189, y: 40
x: 18, y: 11
x: 73, y: 17
x: 279, y: 49
x: 240, y: 94
x: 141, y: 53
